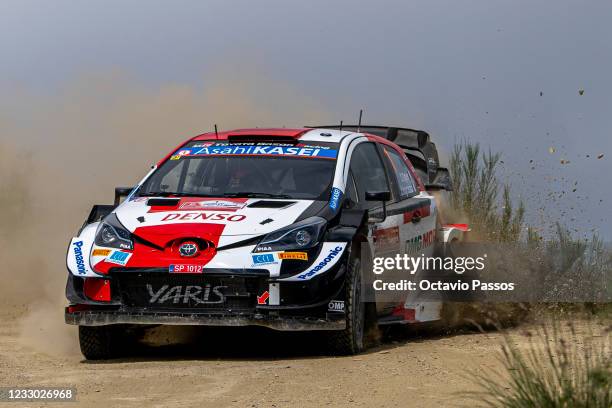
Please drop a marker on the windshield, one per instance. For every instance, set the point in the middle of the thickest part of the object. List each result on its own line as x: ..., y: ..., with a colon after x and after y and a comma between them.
x: 245, y: 170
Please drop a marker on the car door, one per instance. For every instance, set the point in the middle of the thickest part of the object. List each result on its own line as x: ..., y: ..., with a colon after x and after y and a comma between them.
x: 416, y: 234
x: 370, y: 175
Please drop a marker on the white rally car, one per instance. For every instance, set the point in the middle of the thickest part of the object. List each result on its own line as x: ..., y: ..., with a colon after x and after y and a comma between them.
x: 269, y: 227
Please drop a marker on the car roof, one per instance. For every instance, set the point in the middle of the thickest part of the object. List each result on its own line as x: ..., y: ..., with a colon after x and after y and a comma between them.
x: 302, y: 134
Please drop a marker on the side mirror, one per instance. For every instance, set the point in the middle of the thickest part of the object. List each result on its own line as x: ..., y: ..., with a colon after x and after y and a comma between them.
x: 383, y: 196
x: 121, y: 192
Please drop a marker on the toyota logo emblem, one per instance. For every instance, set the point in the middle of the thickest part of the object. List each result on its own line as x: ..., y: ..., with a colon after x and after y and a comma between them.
x: 188, y: 249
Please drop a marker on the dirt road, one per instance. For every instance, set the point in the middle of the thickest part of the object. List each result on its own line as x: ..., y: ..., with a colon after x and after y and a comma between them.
x: 406, y: 371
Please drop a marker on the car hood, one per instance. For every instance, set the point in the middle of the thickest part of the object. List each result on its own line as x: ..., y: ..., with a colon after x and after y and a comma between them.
x: 223, y: 221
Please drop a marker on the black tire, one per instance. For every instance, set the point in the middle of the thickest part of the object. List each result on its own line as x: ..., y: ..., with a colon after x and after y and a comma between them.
x: 351, y: 340
x: 98, y: 342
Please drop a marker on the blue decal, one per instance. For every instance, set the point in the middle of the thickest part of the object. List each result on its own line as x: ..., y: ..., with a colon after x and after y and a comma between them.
x: 263, y: 259
x: 336, y: 195
x: 249, y: 150
x: 78, y: 255
x: 332, y: 254
x: 119, y: 257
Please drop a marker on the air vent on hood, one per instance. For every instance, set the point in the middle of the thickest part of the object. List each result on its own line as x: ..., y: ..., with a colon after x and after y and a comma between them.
x: 162, y: 202
x: 270, y: 204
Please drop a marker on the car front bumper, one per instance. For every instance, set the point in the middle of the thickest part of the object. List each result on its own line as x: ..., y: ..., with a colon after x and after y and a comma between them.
x: 300, y: 306
x: 102, y: 317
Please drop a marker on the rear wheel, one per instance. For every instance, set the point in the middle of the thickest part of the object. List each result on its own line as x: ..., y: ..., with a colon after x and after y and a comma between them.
x: 350, y: 340
x: 99, y: 342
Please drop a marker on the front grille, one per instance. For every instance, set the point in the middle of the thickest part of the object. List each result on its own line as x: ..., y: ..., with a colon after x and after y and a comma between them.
x: 166, y: 291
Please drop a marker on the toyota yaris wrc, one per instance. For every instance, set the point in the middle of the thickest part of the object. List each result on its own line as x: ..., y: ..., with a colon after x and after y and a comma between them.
x: 268, y: 227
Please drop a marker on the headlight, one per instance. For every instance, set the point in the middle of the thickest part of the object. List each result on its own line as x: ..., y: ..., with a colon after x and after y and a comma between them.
x: 301, y: 235
x: 112, y: 234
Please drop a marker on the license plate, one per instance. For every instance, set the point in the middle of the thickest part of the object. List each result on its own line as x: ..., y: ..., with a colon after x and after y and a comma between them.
x: 186, y: 268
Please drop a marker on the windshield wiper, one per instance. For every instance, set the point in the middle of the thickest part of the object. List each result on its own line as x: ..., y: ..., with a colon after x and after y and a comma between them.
x: 251, y: 194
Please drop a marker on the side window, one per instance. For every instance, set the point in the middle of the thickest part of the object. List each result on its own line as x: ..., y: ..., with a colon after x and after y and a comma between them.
x: 405, y: 181
x: 369, y: 172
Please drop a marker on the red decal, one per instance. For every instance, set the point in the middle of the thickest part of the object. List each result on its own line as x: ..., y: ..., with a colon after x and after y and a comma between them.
x: 258, y: 133
x: 161, y: 244
x: 236, y: 218
x: 193, y: 216
x: 261, y: 300
x: 97, y: 289
x: 408, y: 216
x: 462, y: 227
x: 406, y: 314
x: 422, y: 212
x: 162, y: 235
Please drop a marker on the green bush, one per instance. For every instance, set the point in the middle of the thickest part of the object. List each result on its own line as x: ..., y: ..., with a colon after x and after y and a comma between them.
x: 560, y: 368
x: 476, y: 191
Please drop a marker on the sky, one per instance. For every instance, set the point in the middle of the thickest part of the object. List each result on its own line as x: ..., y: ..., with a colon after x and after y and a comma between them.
x: 505, y: 74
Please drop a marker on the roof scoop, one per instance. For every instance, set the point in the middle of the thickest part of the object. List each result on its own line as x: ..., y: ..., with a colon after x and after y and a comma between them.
x: 270, y: 204
x: 163, y: 202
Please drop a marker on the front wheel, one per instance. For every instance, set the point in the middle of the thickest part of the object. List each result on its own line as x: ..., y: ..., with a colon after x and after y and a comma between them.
x: 350, y: 340
x: 98, y: 342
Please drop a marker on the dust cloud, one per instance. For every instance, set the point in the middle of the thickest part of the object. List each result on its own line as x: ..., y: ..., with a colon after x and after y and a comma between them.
x: 62, y: 153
